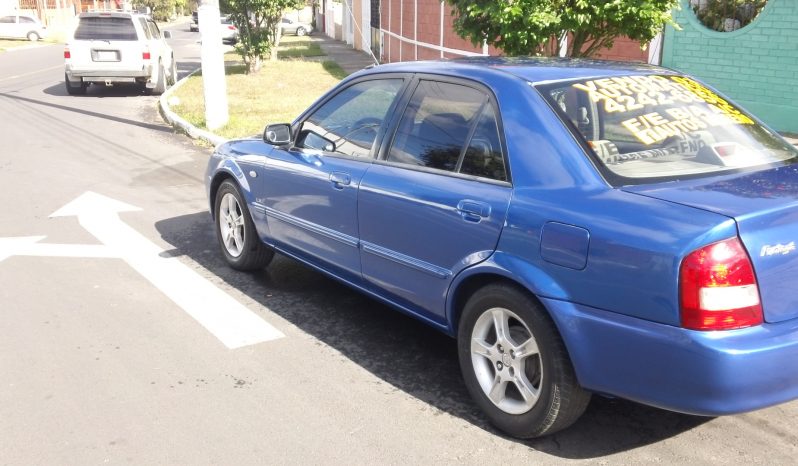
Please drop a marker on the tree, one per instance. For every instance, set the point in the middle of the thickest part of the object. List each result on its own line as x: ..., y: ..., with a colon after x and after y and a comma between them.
x: 161, y: 10
x: 258, y: 24
x: 537, y: 27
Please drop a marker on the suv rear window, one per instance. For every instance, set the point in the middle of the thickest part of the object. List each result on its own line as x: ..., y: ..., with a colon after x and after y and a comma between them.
x: 105, y: 28
x: 656, y: 127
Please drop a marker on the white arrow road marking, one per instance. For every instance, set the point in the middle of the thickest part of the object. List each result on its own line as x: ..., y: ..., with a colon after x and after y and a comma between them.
x: 30, y: 246
x: 220, y: 314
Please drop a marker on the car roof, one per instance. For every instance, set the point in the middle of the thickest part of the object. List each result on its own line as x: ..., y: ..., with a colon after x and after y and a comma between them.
x: 537, y: 70
x: 112, y: 14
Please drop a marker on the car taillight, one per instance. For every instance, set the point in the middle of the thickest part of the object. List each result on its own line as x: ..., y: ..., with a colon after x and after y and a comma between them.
x: 231, y: 27
x: 66, y: 53
x: 145, y: 55
x: 718, y: 289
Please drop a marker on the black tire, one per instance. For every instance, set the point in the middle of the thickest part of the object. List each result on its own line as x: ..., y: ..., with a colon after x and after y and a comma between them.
x: 252, y: 253
x: 560, y: 399
x: 300, y: 31
x: 160, y: 84
x: 33, y: 36
x: 172, y: 73
x: 80, y: 89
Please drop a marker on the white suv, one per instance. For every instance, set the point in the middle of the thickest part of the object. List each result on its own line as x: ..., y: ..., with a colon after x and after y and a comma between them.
x: 112, y: 47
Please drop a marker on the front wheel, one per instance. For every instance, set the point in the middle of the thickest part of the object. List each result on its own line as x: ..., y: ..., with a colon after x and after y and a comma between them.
x: 300, y: 31
x: 515, y: 364
x: 172, y: 73
x: 33, y: 36
x: 238, y: 238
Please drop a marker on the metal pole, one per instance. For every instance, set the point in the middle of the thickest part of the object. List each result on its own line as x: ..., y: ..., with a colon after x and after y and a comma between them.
x: 213, y: 80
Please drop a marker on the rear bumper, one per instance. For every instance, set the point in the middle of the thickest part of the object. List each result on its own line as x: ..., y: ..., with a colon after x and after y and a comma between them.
x: 703, y: 373
x: 89, y: 75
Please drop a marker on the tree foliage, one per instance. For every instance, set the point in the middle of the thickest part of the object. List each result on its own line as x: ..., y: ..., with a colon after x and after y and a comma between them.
x: 258, y: 24
x: 161, y: 10
x: 536, y: 27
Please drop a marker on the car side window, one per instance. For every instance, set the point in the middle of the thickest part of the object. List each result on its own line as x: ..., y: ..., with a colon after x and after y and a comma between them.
x: 25, y: 19
x: 156, y: 33
x: 450, y: 127
x: 483, y: 157
x: 348, y: 123
x: 8, y: 19
x: 145, y: 28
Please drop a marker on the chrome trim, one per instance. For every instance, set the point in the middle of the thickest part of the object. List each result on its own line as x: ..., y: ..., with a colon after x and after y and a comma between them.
x: 408, y: 261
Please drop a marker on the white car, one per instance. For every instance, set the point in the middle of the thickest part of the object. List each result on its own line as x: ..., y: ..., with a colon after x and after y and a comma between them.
x: 229, y: 31
x: 289, y: 26
x: 22, y: 27
x: 112, y: 47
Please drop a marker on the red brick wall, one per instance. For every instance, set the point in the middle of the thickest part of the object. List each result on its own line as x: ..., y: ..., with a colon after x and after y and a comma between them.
x: 400, y: 18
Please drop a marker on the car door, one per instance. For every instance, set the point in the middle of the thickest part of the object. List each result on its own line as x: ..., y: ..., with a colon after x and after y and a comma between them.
x: 436, y: 201
x: 9, y: 26
x: 308, y: 192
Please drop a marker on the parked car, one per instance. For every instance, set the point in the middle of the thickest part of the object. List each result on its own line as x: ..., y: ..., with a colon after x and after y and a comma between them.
x: 111, y: 47
x: 193, y: 26
x: 289, y: 26
x: 229, y: 31
x: 22, y: 27
x: 579, y: 226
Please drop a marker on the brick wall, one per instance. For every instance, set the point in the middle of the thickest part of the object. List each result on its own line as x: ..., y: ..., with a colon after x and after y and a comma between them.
x: 757, y: 65
x: 419, y: 23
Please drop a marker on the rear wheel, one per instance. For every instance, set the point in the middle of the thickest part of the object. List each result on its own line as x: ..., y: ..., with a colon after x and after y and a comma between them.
x: 235, y: 230
x: 33, y: 36
x: 515, y: 364
x: 75, y: 89
x: 172, y: 73
x: 160, y: 83
x: 300, y: 31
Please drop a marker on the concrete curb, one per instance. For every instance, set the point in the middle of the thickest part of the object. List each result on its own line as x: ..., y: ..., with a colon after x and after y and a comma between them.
x: 174, y: 119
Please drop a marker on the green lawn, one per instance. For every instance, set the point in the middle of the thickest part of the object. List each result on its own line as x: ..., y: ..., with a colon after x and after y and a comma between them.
x: 277, y: 94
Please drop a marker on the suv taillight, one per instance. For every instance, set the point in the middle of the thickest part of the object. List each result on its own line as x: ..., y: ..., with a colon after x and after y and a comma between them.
x: 66, y: 53
x: 718, y: 288
x: 145, y: 55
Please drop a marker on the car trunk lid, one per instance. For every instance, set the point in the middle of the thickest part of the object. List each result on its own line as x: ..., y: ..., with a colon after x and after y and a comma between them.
x: 765, y: 206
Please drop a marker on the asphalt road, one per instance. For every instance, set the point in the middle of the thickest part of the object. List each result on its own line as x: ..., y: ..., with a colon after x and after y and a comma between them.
x: 100, y: 362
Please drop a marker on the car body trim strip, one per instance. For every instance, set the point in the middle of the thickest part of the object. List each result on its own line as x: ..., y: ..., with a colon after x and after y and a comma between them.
x: 408, y: 261
x: 312, y: 227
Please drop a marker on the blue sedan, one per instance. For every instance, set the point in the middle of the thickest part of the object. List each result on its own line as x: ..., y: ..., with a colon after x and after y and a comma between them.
x: 579, y: 226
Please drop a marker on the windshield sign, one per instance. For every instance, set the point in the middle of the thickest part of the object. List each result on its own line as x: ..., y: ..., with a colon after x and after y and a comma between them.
x: 655, y: 126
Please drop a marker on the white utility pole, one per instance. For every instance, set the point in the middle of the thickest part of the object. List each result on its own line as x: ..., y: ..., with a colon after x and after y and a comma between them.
x: 213, y: 81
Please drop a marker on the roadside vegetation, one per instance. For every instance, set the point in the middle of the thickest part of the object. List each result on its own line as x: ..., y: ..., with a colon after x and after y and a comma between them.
x: 277, y: 94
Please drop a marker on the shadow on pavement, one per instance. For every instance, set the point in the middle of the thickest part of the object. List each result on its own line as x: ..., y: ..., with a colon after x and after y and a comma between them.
x: 405, y: 353
x: 61, y: 91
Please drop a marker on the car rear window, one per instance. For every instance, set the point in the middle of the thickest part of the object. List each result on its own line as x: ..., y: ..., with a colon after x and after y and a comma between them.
x: 105, y: 28
x: 648, y: 127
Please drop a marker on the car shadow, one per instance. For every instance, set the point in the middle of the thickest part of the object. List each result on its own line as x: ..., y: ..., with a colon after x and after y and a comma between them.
x: 405, y: 353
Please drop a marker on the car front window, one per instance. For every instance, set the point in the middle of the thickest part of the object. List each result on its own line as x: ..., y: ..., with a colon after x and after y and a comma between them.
x: 644, y: 127
x: 351, y: 119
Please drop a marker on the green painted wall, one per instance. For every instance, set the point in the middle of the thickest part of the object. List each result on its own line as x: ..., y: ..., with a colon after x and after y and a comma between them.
x: 757, y: 66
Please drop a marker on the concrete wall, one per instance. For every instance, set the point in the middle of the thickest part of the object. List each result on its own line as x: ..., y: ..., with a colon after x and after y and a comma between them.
x: 757, y: 65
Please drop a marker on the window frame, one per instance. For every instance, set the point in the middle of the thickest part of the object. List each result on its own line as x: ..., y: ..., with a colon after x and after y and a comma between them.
x: 379, y: 138
x: 388, y: 141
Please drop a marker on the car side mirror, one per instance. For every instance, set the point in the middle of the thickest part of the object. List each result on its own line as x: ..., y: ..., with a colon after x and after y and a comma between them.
x: 167, y: 34
x: 277, y: 134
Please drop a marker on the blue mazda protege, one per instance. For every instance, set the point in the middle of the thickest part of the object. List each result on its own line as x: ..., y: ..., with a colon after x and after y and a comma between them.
x: 580, y: 226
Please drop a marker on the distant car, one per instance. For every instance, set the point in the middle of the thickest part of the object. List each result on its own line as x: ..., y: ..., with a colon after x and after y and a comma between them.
x: 113, y: 47
x: 580, y: 226
x: 229, y: 31
x: 289, y: 26
x: 22, y: 27
x: 193, y: 26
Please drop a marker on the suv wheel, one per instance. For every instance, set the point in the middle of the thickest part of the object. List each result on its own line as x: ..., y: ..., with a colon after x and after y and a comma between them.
x: 79, y: 89
x: 160, y: 83
x: 172, y: 73
x: 33, y: 36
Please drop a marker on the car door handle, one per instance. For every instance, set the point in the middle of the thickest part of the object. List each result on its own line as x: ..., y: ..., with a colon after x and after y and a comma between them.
x: 473, y: 211
x: 340, y: 179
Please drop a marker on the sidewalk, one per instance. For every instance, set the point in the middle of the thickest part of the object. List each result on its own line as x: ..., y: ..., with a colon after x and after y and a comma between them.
x: 349, y: 59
